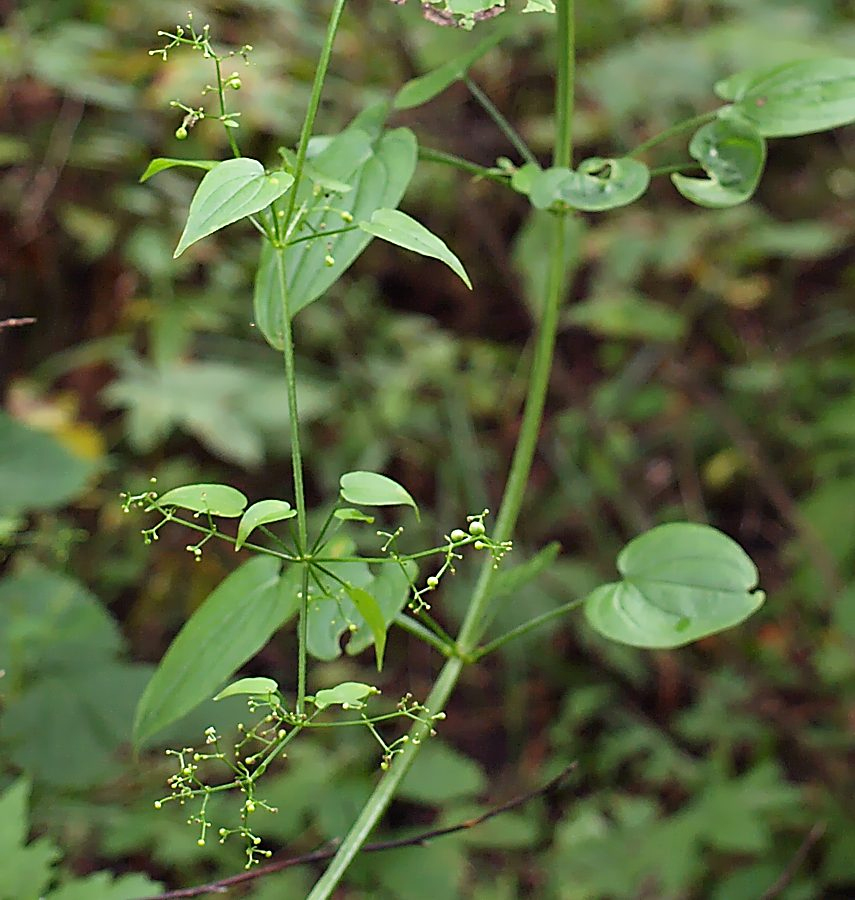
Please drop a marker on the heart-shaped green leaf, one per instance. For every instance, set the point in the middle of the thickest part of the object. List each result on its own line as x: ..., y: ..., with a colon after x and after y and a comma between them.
x: 600, y: 184
x: 374, y: 489
x: 681, y: 582
x: 348, y: 695
x: 597, y: 185
x: 378, y: 167
x: 230, y: 626
x: 164, y: 162
x: 262, y: 513
x: 231, y: 191
x: 794, y: 98
x: 424, y: 88
x: 732, y: 153
x: 249, y: 686
x: 398, y: 228
x: 215, y: 499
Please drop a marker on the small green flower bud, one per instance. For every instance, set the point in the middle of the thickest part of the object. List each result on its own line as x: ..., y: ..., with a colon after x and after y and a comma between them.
x: 432, y: 581
x: 458, y: 534
x: 476, y: 527
x: 201, y: 842
x: 346, y: 217
x: 181, y: 133
x: 479, y: 545
x: 329, y: 261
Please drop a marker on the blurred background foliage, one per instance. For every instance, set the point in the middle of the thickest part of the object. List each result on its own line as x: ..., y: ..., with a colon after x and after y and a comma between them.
x: 705, y: 370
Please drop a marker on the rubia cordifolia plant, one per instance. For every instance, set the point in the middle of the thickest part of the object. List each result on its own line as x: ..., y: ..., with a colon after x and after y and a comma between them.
x: 316, y: 209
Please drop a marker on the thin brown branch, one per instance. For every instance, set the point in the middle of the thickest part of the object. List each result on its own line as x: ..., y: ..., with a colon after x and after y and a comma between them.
x: 219, y: 887
x: 811, y: 839
x: 15, y: 323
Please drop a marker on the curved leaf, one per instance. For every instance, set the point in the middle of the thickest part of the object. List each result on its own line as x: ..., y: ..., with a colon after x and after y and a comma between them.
x: 391, y: 590
x: 262, y: 513
x: 231, y: 191
x: 348, y: 695
x: 681, y: 582
x: 250, y: 687
x: 230, y: 627
x: 165, y: 162
x: 598, y: 184
x: 374, y: 489
x: 214, y: 499
x: 398, y: 228
x: 795, y: 98
x: 732, y: 153
x: 378, y: 167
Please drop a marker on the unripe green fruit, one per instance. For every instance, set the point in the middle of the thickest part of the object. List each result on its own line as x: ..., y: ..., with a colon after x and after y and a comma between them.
x: 458, y: 534
x: 476, y: 527
x: 432, y: 581
x: 181, y: 133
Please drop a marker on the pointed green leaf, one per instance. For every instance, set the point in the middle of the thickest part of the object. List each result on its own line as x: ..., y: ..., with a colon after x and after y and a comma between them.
x: 231, y: 191
x: 398, y: 228
x: 547, y: 6
x: 348, y: 514
x: 681, y: 582
x: 164, y: 162
x: 230, y: 627
x: 262, y: 513
x: 250, y: 686
x: 424, y: 88
x: 370, y: 610
x: 795, y: 98
x: 373, y: 489
x: 391, y: 590
x: 348, y: 695
x: 216, y: 499
x: 732, y: 153
x: 378, y: 167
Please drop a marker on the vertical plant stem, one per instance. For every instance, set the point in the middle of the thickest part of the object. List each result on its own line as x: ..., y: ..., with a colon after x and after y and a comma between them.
x: 297, y: 470
x: 470, y: 631
x: 314, y: 103
x: 221, y: 95
x: 288, y: 351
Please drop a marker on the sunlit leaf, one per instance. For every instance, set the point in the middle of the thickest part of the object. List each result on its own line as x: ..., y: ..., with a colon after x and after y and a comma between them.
x: 732, y: 153
x: 398, y: 228
x: 231, y: 191
x: 374, y: 489
x: 262, y: 513
x: 164, y: 162
x: 348, y: 695
x: 250, y: 686
x: 794, y: 98
x: 681, y: 582
x: 215, y: 499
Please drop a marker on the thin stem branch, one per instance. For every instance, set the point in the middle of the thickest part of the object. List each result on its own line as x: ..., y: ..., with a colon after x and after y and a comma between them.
x: 502, y: 123
x: 673, y: 131
x: 415, y: 628
x: 429, y: 154
x: 416, y: 840
x: 221, y: 94
x: 520, y: 630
